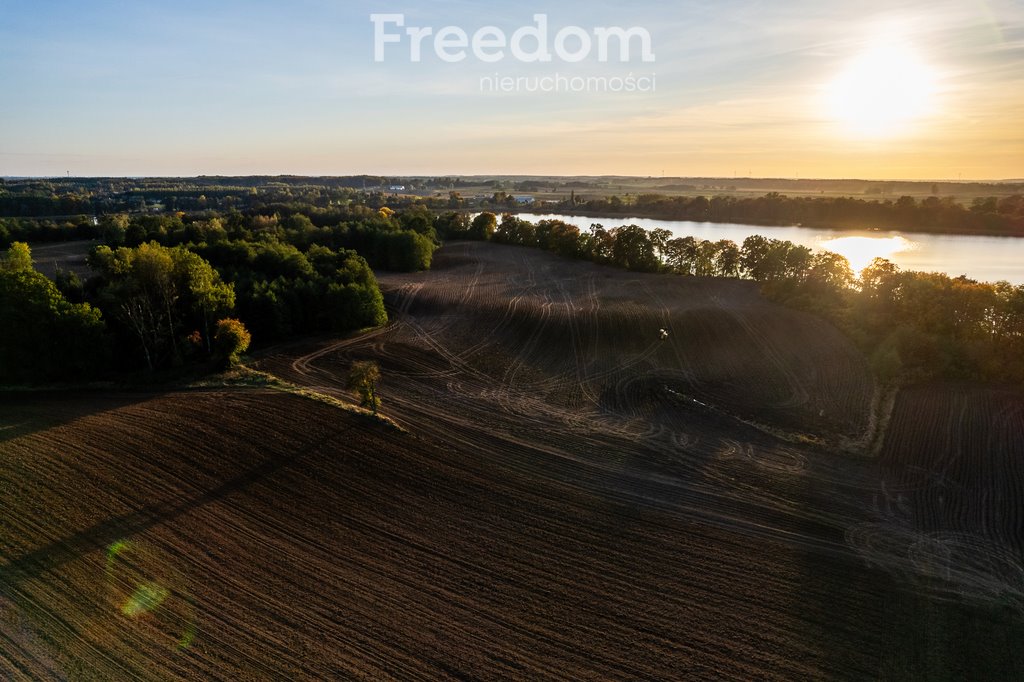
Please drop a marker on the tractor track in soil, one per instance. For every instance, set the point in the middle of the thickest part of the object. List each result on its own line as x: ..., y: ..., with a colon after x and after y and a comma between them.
x: 555, y: 510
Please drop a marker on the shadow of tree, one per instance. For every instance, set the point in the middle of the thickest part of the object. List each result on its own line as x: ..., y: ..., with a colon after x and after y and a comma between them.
x: 100, y: 535
x: 23, y: 413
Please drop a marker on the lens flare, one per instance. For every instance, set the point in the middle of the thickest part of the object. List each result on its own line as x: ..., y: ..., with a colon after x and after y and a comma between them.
x: 145, y: 587
x: 114, y: 551
x: 146, y: 598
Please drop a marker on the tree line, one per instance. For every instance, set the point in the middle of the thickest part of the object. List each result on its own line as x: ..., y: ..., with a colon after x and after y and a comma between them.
x: 30, y: 210
x: 984, y: 215
x: 142, y: 304
x: 24, y: 203
x: 913, y: 326
x: 167, y: 291
x: 173, y: 289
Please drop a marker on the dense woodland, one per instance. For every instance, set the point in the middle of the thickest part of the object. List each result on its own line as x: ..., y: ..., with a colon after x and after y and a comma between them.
x: 298, y: 258
x: 44, y: 336
x: 167, y: 289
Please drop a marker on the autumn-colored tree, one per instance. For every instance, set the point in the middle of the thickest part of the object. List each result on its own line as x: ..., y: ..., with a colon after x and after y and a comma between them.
x: 231, y: 340
x: 362, y: 379
x: 18, y: 258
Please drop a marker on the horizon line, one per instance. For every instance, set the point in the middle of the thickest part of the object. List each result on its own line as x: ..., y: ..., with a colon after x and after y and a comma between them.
x: 513, y: 175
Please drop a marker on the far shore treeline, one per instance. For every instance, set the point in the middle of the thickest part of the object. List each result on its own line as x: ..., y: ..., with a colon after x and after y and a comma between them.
x: 934, y: 215
x: 58, y: 209
x: 177, y: 289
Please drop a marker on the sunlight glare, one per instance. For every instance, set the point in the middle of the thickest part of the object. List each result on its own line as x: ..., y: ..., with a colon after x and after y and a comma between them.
x: 882, y: 91
x: 860, y: 251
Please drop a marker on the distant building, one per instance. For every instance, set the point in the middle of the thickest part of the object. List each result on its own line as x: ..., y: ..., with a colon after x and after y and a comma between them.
x: 524, y: 199
x: 396, y: 188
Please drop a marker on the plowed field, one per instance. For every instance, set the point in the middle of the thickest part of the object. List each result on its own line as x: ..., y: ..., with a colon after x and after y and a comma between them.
x: 577, y: 498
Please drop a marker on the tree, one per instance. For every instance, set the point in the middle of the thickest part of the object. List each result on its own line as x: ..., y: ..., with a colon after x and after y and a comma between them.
x: 204, y: 294
x: 418, y: 219
x: 145, y: 298
x: 514, y: 230
x: 775, y: 265
x: 452, y: 225
x: 707, y: 255
x: 563, y: 238
x: 661, y: 237
x: 18, y: 259
x: 70, y: 285
x: 43, y: 337
x: 483, y: 226
x: 231, y: 340
x: 753, y: 253
x: 363, y: 379
x: 879, y: 279
x: 886, y: 361
x: 680, y: 254
x: 405, y: 251
x: 596, y: 245
x: 633, y: 249
x: 728, y: 260
x: 160, y: 294
x: 799, y: 260
x: 114, y: 228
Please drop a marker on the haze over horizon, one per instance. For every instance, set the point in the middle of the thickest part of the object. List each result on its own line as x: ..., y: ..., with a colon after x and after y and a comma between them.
x: 881, y: 90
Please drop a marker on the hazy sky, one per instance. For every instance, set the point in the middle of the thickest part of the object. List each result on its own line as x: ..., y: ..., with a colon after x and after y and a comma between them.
x: 808, y: 88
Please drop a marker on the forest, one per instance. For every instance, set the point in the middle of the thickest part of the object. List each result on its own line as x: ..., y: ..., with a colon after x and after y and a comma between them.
x: 169, y: 291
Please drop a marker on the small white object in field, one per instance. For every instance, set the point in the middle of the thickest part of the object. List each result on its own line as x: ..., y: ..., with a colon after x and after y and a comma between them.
x: 664, y: 334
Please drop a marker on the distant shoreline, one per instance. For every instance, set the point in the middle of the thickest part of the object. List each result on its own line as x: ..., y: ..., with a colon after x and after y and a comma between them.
x: 830, y: 228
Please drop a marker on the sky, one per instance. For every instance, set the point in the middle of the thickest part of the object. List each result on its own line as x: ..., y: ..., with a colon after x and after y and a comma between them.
x: 893, y: 89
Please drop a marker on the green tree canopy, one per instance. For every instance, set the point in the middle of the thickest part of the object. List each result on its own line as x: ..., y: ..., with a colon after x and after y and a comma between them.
x: 160, y: 295
x: 43, y: 337
x: 483, y: 226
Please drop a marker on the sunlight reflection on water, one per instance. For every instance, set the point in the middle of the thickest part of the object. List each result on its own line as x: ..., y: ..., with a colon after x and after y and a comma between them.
x: 987, y: 259
x: 860, y: 251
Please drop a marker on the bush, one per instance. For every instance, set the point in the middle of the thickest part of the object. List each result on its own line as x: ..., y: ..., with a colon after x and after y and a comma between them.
x: 231, y: 340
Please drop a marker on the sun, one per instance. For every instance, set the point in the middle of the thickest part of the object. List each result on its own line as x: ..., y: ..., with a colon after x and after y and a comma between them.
x: 882, y: 91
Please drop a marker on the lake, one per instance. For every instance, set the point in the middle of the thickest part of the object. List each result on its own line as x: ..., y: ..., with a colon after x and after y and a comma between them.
x: 987, y: 259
